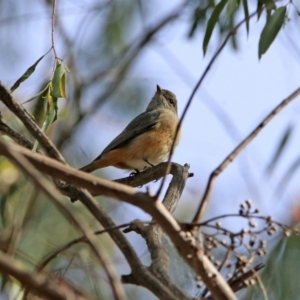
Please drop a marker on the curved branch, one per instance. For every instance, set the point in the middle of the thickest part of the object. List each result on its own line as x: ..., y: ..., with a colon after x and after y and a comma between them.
x: 185, y: 243
x: 199, y: 214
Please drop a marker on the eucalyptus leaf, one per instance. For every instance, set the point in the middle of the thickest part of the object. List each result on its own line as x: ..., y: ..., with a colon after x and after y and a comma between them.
x: 271, y: 30
x: 246, y: 13
x: 27, y: 73
x: 212, y: 22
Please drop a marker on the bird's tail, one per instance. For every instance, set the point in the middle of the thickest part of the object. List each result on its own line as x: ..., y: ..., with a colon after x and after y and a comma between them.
x: 90, y: 167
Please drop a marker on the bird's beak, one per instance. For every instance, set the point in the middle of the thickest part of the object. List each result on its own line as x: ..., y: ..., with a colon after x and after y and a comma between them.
x: 158, y: 89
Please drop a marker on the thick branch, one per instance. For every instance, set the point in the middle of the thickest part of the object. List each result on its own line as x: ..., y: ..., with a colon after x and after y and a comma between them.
x: 185, y: 243
x: 46, y: 187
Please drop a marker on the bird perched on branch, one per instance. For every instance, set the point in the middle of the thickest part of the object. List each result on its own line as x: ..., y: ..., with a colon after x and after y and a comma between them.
x: 147, y: 140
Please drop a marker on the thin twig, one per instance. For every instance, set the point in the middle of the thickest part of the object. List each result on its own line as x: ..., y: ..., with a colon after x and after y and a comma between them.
x: 53, y: 27
x: 40, y: 283
x: 198, y: 84
x: 16, y: 136
x: 65, y: 247
x: 261, y: 285
x: 201, y: 209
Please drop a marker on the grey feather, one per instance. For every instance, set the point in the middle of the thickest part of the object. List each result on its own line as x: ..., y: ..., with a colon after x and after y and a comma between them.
x: 139, y: 125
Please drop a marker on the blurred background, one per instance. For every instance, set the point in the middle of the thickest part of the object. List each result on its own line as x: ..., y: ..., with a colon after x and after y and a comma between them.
x: 116, y: 53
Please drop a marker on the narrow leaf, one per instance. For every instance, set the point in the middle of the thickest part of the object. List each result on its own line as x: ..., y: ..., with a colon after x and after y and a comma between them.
x: 50, y: 116
x: 259, y: 9
x: 246, y: 13
x: 279, y: 149
x: 271, y: 30
x: 38, y: 94
x: 211, y: 23
x: 27, y: 74
x: 56, y: 81
x: 288, y: 175
x: 231, y: 7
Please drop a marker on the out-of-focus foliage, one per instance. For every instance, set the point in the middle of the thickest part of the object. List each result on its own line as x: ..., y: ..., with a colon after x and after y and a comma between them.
x: 280, y: 276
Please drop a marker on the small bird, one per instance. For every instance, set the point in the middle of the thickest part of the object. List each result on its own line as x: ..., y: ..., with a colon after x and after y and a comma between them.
x: 147, y: 139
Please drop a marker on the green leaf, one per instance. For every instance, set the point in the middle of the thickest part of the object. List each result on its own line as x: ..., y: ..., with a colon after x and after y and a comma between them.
x: 4, y: 280
x: 271, y: 30
x: 287, y: 176
x: 246, y: 13
x: 231, y: 7
x: 51, y: 114
x: 39, y: 93
x: 59, y: 82
x: 27, y: 74
x: 211, y: 23
x: 279, y: 149
x: 269, y: 4
x: 259, y: 9
x: 199, y: 15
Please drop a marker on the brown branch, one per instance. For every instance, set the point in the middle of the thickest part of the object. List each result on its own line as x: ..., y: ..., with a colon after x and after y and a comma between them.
x: 18, y: 109
x: 139, y: 272
x: 44, y: 184
x: 53, y: 26
x: 153, y: 232
x: 201, y: 209
x: 16, y: 136
x: 186, y: 244
x: 143, y: 275
x: 73, y: 242
x: 39, y: 283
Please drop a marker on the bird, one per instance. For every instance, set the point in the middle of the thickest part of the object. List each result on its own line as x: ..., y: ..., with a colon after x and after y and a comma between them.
x: 147, y: 140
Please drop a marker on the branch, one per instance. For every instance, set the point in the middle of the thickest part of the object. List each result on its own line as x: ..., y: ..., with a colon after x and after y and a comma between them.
x: 39, y: 283
x: 201, y: 209
x: 138, y: 270
x: 43, y: 184
x: 153, y: 232
x: 16, y: 136
x: 73, y: 242
x: 185, y: 243
x: 52, y: 27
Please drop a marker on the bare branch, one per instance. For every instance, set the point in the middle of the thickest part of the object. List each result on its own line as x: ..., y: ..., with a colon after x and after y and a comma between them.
x: 17, y: 137
x: 39, y: 283
x: 201, y: 209
x: 53, y: 26
x: 65, y: 247
x: 184, y: 242
x: 153, y: 232
x: 46, y: 187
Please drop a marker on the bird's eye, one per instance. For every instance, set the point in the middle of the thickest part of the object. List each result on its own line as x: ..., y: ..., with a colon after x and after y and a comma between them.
x: 171, y: 101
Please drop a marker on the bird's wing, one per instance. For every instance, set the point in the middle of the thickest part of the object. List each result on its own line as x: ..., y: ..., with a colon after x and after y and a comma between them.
x: 139, y: 125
